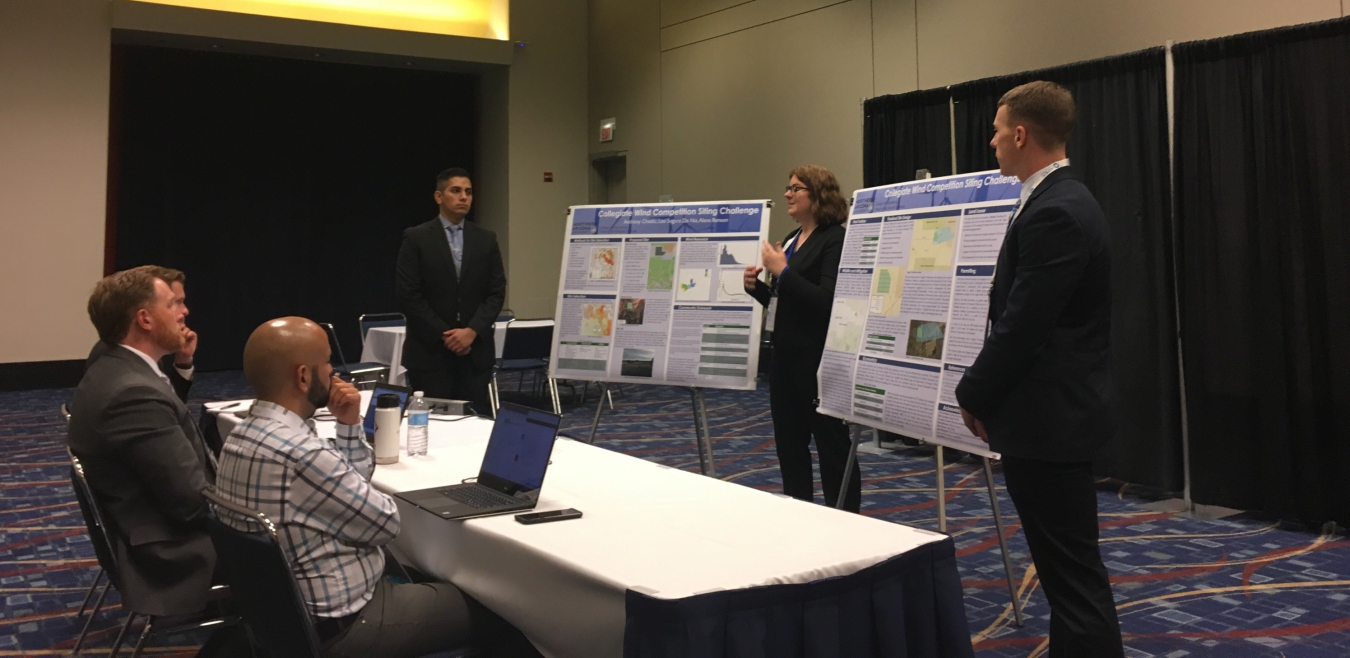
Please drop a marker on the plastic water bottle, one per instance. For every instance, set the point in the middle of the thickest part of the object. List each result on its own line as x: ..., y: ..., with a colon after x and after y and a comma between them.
x: 418, y: 416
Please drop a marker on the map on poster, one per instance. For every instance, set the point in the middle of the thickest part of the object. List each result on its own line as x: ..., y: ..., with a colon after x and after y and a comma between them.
x: 911, y: 302
x: 654, y: 293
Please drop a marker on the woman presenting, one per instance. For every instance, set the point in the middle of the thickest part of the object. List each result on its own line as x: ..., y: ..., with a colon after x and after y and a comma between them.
x: 804, y: 273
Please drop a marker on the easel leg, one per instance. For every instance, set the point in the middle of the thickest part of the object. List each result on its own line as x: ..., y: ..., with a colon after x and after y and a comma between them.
x: 1002, y: 541
x: 702, y: 436
x: 941, y: 492
x: 595, y: 424
x: 855, y: 432
x: 494, y: 395
x: 553, y: 395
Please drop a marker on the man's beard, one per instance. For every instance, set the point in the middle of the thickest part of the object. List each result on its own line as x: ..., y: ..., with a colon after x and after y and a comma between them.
x: 318, y: 389
x: 170, y: 338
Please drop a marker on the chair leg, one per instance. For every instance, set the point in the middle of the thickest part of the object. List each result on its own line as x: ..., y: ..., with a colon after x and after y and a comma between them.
x: 610, y: 396
x: 553, y: 391
x: 90, y: 594
x: 496, y: 393
x: 146, y: 631
x: 121, y: 635
x: 92, y: 614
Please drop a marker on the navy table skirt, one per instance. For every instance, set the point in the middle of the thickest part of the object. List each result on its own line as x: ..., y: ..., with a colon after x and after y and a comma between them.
x: 909, y: 606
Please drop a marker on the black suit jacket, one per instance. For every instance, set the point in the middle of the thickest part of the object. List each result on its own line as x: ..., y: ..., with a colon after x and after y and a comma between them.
x: 1041, y: 383
x: 805, y: 294
x: 436, y: 299
x: 147, y: 465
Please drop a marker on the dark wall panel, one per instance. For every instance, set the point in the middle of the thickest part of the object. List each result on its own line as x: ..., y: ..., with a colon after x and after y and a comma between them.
x: 280, y: 186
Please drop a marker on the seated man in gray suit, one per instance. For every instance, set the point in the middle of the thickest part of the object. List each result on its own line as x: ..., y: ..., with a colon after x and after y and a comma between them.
x: 142, y: 453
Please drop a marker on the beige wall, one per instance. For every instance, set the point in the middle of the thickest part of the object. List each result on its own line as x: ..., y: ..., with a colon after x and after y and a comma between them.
x: 54, y: 66
x: 54, y: 60
x: 1071, y: 30
x: 718, y: 98
x: 547, y: 134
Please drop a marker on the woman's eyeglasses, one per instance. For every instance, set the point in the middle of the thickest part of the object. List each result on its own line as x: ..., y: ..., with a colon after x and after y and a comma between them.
x: 793, y: 189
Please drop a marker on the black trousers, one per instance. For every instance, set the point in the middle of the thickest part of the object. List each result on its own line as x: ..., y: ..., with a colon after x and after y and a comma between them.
x: 455, y: 379
x: 1057, y: 502
x: 792, y: 398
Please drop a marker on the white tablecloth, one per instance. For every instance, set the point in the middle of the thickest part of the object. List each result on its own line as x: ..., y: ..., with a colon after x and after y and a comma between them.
x: 661, y: 531
x: 385, y: 345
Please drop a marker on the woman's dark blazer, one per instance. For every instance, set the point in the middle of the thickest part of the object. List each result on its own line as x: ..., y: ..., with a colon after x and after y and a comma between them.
x: 806, y: 293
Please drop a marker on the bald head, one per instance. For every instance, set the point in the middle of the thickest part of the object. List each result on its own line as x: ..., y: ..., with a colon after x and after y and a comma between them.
x: 275, y: 353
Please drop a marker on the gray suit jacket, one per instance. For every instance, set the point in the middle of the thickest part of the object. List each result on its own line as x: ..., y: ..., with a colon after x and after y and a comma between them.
x: 147, y: 465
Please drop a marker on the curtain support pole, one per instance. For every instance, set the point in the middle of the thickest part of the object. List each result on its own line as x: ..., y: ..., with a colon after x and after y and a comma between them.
x: 951, y: 123
x: 1176, y: 283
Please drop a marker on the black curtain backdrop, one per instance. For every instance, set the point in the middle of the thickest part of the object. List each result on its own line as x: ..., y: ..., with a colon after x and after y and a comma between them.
x: 1263, y: 159
x: 1120, y: 149
x: 906, y: 132
x: 280, y: 186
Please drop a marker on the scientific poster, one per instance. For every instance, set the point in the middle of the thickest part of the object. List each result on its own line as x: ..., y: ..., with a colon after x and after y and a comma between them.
x: 653, y: 293
x: 911, y: 303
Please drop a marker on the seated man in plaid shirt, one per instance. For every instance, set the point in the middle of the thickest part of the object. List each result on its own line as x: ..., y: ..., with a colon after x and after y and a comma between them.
x: 332, y: 522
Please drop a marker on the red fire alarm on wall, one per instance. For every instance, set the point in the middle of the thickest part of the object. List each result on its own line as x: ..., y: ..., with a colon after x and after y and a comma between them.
x: 548, y: 177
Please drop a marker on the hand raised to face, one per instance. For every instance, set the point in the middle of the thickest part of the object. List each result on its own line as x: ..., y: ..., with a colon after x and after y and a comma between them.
x: 344, y: 402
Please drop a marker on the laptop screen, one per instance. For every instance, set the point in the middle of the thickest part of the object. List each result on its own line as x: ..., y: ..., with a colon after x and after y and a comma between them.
x: 519, y: 449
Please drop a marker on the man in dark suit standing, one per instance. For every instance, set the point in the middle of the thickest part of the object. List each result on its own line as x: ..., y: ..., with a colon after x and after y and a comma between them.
x: 1039, y: 391
x: 141, y: 451
x: 451, y: 285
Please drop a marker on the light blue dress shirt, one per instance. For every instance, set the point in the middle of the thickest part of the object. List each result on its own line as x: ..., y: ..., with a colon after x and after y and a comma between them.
x: 454, y: 233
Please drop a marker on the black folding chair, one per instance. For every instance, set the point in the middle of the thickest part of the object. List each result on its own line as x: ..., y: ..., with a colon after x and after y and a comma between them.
x: 98, y: 577
x: 263, y: 585
x: 93, y: 522
x: 365, y: 375
x: 260, y: 578
x: 525, y: 349
x: 100, y: 534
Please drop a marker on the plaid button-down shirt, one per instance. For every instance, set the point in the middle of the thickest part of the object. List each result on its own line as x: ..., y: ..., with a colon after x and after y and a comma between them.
x: 330, y: 520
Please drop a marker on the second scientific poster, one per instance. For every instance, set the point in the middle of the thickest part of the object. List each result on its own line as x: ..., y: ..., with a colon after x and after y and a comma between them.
x: 911, y: 302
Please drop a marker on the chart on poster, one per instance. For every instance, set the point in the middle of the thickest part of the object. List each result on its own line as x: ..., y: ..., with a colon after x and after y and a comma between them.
x: 653, y: 293
x: 911, y: 302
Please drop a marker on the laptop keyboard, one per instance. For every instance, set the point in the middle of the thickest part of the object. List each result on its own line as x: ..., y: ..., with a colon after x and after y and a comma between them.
x: 478, y: 497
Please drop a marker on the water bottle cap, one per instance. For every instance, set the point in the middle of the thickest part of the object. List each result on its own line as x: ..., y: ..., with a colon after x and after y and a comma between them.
x: 417, y: 394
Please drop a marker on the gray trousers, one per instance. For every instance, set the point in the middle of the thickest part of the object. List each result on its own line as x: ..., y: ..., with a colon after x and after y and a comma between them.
x: 416, y: 619
x: 407, y: 620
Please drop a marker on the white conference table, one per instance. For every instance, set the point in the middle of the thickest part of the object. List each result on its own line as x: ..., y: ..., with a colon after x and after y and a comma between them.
x: 659, y: 531
x: 385, y: 345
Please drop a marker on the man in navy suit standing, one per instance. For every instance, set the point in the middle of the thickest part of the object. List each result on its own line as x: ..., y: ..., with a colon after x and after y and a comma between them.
x: 451, y: 285
x: 1039, y: 391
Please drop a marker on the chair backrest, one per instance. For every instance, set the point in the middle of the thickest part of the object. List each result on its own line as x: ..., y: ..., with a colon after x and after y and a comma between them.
x: 260, y: 579
x: 100, y: 535
x: 527, y: 342
x: 369, y: 320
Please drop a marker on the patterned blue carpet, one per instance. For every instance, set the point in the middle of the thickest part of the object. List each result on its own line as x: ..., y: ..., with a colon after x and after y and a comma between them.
x: 1234, y: 587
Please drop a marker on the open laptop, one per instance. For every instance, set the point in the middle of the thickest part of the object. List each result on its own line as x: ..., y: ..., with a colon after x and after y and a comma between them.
x: 512, y: 473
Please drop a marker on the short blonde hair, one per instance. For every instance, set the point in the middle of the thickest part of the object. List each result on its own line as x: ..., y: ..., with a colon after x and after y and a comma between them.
x: 1048, y: 107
